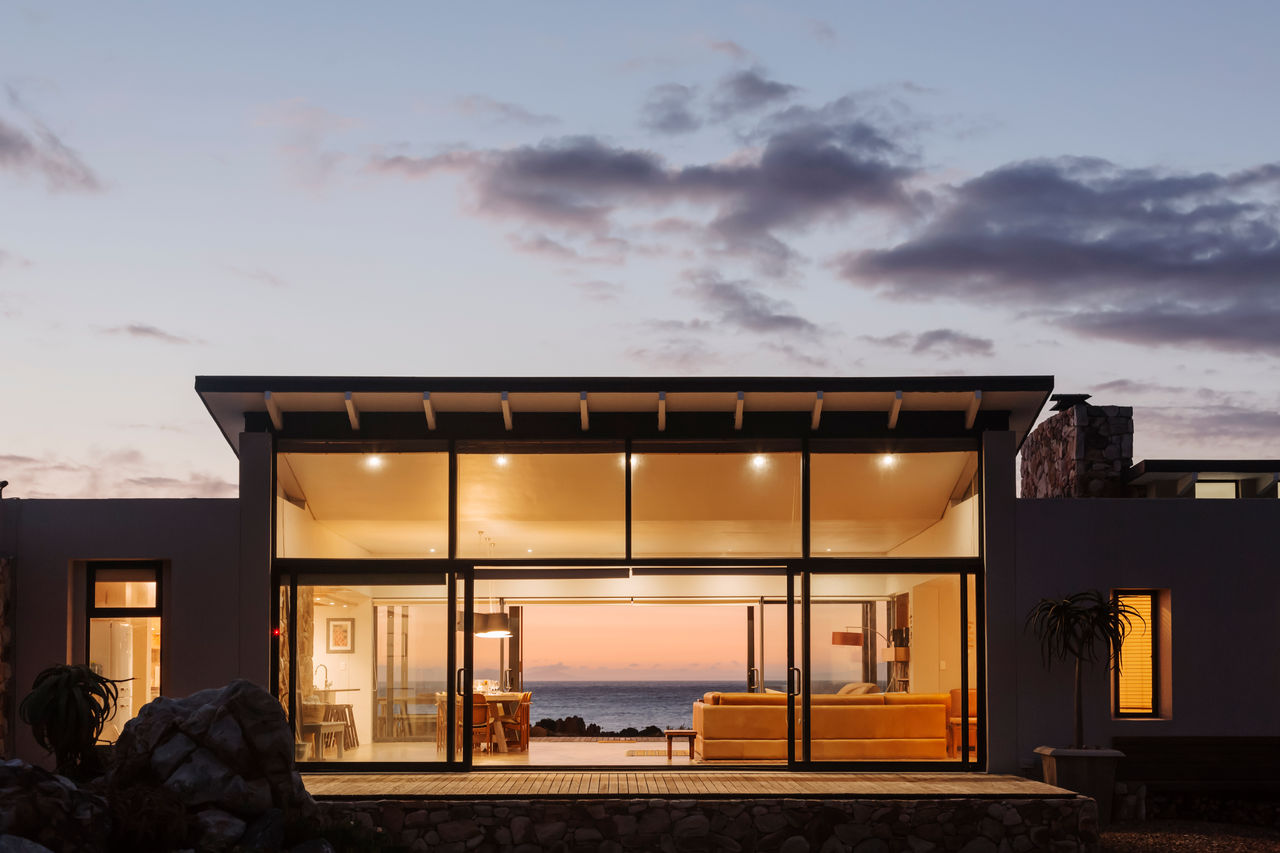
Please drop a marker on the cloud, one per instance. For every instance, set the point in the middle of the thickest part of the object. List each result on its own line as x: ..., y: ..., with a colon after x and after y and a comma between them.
x: 795, y: 355
x: 260, y: 276
x: 748, y: 91
x: 1233, y: 425
x: 823, y: 165
x: 731, y: 49
x: 304, y: 129
x: 108, y: 473
x: 947, y: 343
x: 600, y: 291
x: 740, y: 306
x: 37, y: 151
x: 668, y: 109
x: 676, y: 352
x: 1134, y: 255
x: 541, y: 244
x: 482, y: 106
x: 151, y: 333
x: 822, y: 31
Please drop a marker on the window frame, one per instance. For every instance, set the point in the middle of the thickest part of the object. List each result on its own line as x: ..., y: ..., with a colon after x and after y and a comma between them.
x: 1154, y: 629
x: 92, y: 611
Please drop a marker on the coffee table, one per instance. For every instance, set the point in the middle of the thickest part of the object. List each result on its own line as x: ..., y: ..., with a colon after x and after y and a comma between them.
x: 672, y: 734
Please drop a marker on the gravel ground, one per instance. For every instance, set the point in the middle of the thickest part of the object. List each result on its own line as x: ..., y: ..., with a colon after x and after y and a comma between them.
x: 1191, y: 836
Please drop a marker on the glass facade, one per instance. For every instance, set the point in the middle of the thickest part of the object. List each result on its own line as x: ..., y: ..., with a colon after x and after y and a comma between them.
x: 534, y: 505
x: 366, y: 660
x: 716, y: 504
x: 362, y: 505
x: 894, y: 504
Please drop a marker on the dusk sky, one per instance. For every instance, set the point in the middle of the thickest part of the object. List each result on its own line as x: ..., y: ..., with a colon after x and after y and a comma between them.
x: 1088, y: 190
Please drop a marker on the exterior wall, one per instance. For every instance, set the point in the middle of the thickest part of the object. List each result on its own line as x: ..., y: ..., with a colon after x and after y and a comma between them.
x: 1081, y: 452
x: 998, y: 535
x: 1218, y: 561
x: 199, y: 539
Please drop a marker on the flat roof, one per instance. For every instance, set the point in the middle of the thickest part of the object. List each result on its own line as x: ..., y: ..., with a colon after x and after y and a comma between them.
x: 230, y: 398
x: 1153, y: 470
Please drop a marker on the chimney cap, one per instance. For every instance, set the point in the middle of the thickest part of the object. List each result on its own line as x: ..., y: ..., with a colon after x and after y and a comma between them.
x: 1062, y: 402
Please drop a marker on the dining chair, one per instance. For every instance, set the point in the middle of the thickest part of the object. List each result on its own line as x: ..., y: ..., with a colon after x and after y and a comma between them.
x: 481, y: 724
x: 517, y: 723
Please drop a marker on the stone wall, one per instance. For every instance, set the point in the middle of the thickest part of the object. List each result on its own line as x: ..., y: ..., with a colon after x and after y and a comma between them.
x: 790, y: 825
x: 1081, y: 452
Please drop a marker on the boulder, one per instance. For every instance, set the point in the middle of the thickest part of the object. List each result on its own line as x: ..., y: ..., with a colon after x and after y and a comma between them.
x: 226, y: 754
x: 42, y: 807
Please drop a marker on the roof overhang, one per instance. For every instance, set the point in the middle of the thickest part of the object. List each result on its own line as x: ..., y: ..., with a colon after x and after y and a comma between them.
x: 230, y: 398
x: 1149, y: 471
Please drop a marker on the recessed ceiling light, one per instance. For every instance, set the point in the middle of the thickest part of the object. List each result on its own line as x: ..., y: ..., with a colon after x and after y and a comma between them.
x: 529, y: 550
x: 433, y: 550
x: 373, y: 462
x: 501, y: 461
x: 888, y: 460
x: 759, y: 461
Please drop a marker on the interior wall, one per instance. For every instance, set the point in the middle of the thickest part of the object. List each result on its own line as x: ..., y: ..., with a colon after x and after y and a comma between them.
x: 935, y: 636
x: 954, y: 535
x: 347, y: 670
x: 300, y: 535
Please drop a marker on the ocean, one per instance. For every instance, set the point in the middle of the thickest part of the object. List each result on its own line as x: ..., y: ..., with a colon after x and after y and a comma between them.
x: 615, y: 705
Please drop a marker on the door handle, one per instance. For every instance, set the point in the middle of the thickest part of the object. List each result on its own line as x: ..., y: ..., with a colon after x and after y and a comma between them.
x: 753, y: 680
x: 793, y: 681
x: 457, y: 681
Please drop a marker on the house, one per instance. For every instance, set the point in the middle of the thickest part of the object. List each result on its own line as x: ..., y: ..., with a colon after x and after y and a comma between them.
x: 393, y: 537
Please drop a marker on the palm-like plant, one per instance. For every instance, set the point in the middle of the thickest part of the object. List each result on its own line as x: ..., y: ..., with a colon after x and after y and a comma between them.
x: 1085, y: 627
x: 67, y: 707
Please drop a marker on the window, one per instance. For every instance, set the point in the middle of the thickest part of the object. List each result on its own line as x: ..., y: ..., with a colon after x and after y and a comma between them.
x: 124, y: 634
x: 1137, y: 679
x: 1217, y: 489
x: 716, y: 504
x: 362, y: 505
x: 894, y: 504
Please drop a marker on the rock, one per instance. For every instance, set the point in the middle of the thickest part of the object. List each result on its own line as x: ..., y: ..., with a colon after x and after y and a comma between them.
x: 693, y: 826
x: 314, y: 845
x: 18, y: 844
x: 794, y: 844
x: 770, y: 822
x: 546, y: 833
x: 42, y: 807
x: 217, y: 829
x: 226, y: 754
x: 265, y: 833
x: 166, y: 758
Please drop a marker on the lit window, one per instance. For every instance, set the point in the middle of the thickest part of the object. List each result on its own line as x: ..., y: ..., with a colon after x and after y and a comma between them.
x: 1217, y: 489
x: 1137, y: 688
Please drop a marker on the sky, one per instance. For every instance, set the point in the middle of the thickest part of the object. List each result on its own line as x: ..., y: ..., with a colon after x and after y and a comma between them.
x: 1087, y: 190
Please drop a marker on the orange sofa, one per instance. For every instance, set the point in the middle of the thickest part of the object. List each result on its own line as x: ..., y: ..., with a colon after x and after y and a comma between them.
x: 868, y: 727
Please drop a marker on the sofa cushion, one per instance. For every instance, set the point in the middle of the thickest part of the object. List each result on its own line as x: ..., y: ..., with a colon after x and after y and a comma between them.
x: 742, y: 722
x: 886, y: 749
x: 879, y: 722
x: 742, y: 750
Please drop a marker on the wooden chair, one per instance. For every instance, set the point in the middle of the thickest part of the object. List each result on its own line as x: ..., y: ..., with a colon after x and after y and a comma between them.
x: 516, y: 724
x: 481, y: 724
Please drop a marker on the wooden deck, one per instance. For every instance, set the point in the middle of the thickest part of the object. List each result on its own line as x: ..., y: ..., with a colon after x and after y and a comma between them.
x: 682, y: 784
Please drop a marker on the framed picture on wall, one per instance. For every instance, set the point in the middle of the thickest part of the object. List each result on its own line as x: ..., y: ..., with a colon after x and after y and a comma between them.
x: 342, y: 636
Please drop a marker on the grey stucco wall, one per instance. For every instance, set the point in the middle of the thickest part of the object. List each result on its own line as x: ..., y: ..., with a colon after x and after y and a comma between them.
x: 1220, y: 560
x: 199, y: 538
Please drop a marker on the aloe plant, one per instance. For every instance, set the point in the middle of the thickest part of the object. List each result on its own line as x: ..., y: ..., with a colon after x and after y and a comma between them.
x: 1085, y: 628
x: 67, y: 708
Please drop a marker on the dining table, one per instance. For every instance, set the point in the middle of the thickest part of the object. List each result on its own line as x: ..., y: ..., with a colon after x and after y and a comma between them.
x: 498, y: 707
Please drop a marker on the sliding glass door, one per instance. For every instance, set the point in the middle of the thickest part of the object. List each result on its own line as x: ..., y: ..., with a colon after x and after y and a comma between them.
x: 884, y: 668
x: 379, y: 666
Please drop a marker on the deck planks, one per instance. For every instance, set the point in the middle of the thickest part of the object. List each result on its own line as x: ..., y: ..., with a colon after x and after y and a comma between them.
x: 684, y: 784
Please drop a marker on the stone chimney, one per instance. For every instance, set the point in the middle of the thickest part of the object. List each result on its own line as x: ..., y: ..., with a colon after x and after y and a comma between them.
x: 1081, y: 452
